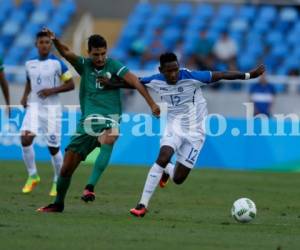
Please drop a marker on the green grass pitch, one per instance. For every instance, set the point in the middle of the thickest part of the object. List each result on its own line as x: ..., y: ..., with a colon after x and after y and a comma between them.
x: 195, y: 215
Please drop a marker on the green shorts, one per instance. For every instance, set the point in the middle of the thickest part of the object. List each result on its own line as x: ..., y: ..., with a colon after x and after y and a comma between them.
x: 83, y: 142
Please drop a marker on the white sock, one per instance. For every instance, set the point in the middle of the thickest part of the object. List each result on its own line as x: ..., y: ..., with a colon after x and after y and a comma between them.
x: 28, y: 157
x: 152, y: 181
x: 170, y: 169
x: 57, y: 161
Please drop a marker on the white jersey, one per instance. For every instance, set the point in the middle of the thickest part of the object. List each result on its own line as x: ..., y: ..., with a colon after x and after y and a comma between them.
x: 46, y: 73
x: 186, y: 110
x: 186, y: 104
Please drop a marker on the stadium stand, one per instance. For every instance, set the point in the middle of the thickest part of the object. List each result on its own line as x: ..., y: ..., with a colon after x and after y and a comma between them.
x: 19, y: 22
x: 263, y: 33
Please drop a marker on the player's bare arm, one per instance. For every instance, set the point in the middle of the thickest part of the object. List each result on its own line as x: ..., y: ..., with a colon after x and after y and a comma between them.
x: 67, y: 86
x: 236, y: 75
x: 133, y: 81
x: 26, y: 93
x: 62, y: 48
x: 5, y: 90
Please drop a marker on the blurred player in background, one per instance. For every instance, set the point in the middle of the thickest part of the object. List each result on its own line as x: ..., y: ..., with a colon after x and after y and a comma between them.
x: 262, y: 94
x: 94, y: 100
x: 4, y: 86
x: 43, y: 110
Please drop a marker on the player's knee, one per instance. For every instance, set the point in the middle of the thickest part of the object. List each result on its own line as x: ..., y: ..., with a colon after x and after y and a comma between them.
x: 163, y: 159
x: 53, y: 150
x: 26, y: 141
x: 108, y: 139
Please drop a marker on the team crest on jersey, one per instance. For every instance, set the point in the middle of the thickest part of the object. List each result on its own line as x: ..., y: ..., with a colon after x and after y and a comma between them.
x: 180, y: 89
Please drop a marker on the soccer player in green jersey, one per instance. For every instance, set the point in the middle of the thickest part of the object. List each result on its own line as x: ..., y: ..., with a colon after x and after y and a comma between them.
x: 94, y: 100
x: 4, y: 86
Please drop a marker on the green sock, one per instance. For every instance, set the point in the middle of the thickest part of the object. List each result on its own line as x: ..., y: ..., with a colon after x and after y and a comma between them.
x: 63, y: 184
x: 100, y: 163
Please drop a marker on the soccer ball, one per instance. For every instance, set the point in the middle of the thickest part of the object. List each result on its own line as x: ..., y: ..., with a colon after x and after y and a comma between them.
x: 243, y: 210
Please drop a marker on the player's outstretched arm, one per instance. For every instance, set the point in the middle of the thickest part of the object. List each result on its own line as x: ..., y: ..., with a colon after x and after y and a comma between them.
x: 236, y: 75
x: 133, y: 81
x: 62, y: 48
x: 4, y: 87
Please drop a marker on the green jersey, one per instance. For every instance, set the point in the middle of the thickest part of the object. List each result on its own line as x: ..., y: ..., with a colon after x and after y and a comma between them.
x: 93, y: 98
x: 1, y: 65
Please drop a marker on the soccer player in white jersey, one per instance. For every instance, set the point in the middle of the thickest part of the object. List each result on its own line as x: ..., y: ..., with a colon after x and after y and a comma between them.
x: 183, y: 135
x: 43, y: 110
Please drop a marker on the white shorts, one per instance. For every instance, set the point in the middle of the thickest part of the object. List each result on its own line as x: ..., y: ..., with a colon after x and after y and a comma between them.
x: 45, y: 121
x: 187, y: 147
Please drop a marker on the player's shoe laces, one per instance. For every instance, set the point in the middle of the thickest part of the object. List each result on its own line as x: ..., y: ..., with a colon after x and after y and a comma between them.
x: 53, y: 190
x: 31, y: 183
x: 139, y: 211
x: 164, y: 180
x: 88, y: 194
x: 51, y: 208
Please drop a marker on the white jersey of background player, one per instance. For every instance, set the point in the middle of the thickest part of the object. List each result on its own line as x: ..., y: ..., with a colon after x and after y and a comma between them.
x: 184, y: 135
x: 43, y: 110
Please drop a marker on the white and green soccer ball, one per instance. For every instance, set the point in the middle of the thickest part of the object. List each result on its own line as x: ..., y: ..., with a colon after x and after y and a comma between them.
x: 243, y: 210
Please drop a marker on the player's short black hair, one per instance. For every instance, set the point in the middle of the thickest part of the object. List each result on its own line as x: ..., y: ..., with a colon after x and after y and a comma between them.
x: 167, y: 57
x: 96, y: 41
x: 41, y: 34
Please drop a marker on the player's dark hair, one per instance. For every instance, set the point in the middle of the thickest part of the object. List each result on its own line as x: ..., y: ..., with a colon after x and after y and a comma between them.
x: 167, y: 57
x: 96, y: 41
x: 41, y: 34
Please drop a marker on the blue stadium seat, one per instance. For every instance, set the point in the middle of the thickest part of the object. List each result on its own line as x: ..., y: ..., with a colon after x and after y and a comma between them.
x: 182, y: 12
x: 143, y: 9
x: 289, y: 14
x: 246, y: 62
x: 239, y: 24
x: 205, y: 11
x: 227, y: 11
x: 162, y: 10
x: 170, y: 37
x: 274, y: 37
x: 19, y: 16
x: 24, y: 41
x: 247, y: 12
x: 39, y: 17
x: 267, y: 13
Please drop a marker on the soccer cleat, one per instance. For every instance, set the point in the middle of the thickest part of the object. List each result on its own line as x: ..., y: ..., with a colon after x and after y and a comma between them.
x: 31, y: 183
x: 51, y: 208
x: 139, y: 211
x: 88, y: 195
x: 164, y: 180
x: 53, y: 191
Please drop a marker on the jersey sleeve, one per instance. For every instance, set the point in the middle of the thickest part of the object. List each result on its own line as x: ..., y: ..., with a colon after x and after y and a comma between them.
x: 79, y: 64
x: 150, y: 82
x: 1, y: 65
x: 118, y: 68
x: 201, y: 76
x: 65, y: 73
